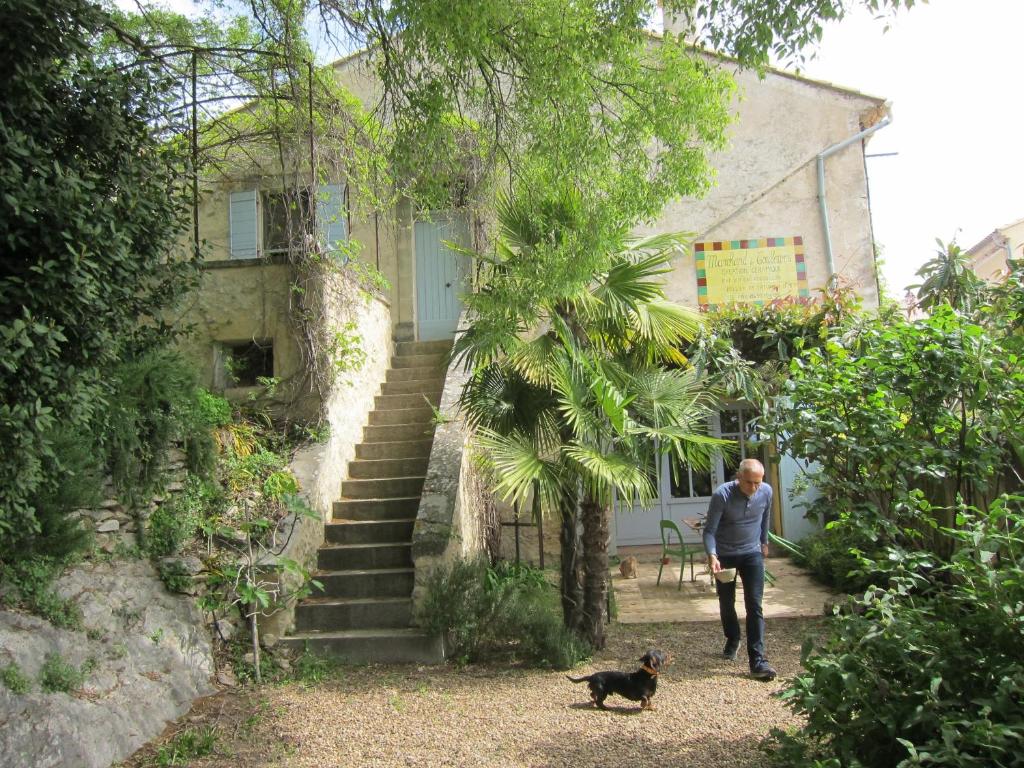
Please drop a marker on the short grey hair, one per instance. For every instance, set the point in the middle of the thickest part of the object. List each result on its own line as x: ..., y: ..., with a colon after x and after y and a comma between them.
x: 749, y: 465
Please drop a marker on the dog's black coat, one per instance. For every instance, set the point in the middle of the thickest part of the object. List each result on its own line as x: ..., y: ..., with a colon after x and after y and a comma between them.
x: 635, y: 686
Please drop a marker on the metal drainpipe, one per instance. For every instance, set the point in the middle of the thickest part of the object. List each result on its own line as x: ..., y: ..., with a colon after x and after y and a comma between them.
x: 822, y: 202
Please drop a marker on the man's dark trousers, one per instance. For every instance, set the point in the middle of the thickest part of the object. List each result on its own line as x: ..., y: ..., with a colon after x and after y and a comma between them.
x: 749, y: 568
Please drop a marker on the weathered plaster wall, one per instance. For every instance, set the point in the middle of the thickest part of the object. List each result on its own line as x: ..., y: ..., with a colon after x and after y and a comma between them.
x: 352, y: 396
x: 456, y: 508
x: 241, y: 301
x: 766, y: 181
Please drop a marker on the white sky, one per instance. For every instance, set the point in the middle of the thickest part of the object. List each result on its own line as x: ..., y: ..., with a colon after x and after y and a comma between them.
x: 953, y: 72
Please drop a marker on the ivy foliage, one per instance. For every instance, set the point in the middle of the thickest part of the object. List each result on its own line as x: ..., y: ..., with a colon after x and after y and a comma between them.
x: 89, y: 214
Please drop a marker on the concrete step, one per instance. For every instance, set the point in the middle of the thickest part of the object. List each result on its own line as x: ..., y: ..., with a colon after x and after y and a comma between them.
x: 367, y: 583
x: 406, y: 449
x: 372, y: 646
x: 422, y: 415
x: 364, y: 557
x: 369, y: 531
x: 435, y: 361
x: 414, y: 400
x: 333, y: 615
x: 431, y: 387
x: 423, y: 347
x: 393, y: 433
x: 375, y: 469
x: 430, y: 373
x: 377, y: 509
x: 388, y: 488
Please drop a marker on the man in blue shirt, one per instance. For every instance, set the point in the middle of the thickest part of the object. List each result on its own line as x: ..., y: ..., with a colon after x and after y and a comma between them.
x: 736, y: 536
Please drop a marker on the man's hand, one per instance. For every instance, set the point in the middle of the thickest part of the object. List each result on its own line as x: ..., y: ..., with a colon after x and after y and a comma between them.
x: 713, y: 565
x: 764, y: 550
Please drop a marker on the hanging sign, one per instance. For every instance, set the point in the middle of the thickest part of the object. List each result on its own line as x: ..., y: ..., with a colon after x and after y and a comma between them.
x: 750, y: 271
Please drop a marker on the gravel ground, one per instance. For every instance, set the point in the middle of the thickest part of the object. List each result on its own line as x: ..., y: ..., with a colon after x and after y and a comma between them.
x: 708, y: 713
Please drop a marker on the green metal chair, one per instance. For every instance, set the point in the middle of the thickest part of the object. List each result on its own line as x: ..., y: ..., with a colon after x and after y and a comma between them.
x: 682, y: 550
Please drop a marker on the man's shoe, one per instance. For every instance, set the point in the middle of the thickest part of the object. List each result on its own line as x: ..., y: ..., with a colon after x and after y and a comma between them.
x: 763, y: 671
x: 731, y: 647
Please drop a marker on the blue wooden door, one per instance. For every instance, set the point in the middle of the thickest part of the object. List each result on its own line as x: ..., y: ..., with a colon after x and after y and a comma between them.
x: 440, y: 276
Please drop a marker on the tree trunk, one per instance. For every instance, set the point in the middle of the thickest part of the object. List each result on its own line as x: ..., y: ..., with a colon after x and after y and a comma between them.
x: 572, y: 591
x: 595, y: 570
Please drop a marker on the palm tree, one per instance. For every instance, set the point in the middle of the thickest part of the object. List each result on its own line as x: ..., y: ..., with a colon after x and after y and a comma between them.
x: 574, y: 395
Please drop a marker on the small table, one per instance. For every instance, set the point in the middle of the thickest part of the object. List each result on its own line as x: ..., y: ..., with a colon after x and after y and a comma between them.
x: 694, y: 524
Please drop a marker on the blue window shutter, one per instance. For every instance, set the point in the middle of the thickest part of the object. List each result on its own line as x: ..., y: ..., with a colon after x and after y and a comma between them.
x: 244, y: 224
x: 330, y: 217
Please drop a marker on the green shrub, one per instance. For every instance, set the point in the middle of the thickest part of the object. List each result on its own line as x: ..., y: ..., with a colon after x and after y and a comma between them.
x: 502, y: 612
x: 154, y: 403
x: 91, y: 212
x: 279, y: 484
x: 29, y: 583
x: 175, y: 577
x: 931, y: 671
x: 186, y: 746
x: 212, y: 410
x: 177, y: 520
x: 58, y: 676
x: 831, y: 556
x: 15, y: 680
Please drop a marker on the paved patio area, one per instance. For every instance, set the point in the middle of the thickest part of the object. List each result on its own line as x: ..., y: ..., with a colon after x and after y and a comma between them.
x: 641, y: 600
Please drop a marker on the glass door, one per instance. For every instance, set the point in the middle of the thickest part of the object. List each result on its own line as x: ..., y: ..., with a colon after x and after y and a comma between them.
x: 684, y: 491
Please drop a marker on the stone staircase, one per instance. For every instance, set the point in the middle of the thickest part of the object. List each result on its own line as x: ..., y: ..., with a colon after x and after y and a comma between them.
x: 364, y: 612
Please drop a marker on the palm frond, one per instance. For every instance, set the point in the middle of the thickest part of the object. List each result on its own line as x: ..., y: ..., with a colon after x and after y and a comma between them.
x: 672, y: 243
x: 604, y: 472
x: 575, y: 400
x: 666, y: 323
x: 669, y: 396
x: 694, y: 448
x: 612, y: 401
x: 497, y: 397
x: 488, y: 338
x: 520, y: 465
x: 533, y: 359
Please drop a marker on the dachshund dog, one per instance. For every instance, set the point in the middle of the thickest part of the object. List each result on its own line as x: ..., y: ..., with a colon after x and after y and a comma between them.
x: 635, y: 686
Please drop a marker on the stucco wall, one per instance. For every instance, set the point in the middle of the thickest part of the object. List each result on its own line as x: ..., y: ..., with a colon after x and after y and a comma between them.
x: 242, y: 301
x: 766, y: 182
x: 245, y: 299
x: 352, y: 398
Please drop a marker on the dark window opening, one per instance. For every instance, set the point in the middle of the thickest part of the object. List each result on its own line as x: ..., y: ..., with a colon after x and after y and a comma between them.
x: 736, y: 426
x: 245, y: 364
x: 687, y: 482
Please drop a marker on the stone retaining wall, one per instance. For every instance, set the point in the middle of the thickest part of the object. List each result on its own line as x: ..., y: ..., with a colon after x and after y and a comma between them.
x: 115, y: 524
x: 456, y: 517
